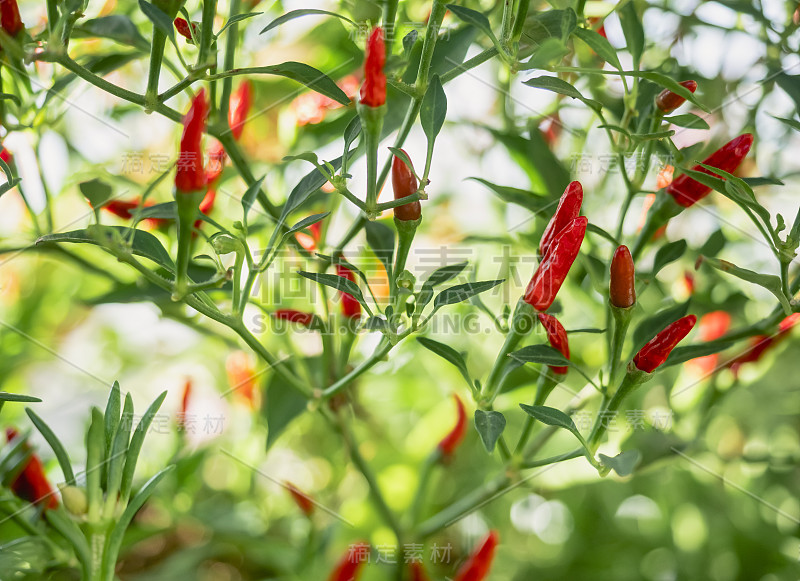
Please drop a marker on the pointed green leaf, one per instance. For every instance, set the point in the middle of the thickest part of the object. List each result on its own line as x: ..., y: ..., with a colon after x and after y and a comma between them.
x: 434, y: 109
x: 448, y: 354
x: 462, y: 292
x: 490, y: 426
x: 302, y: 12
x: 55, y: 444
x: 623, y: 463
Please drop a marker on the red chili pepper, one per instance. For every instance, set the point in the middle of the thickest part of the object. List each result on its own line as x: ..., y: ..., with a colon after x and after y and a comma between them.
x: 242, y: 379
x: 477, y: 566
x: 404, y: 183
x: 216, y: 162
x: 31, y: 484
x: 5, y: 155
x: 656, y: 351
x: 373, y: 91
x: 668, y: 101
x: 351, y: 308
x: 293, y: 316
x: 451, y: 441
x: 240, y: 103
x: 187, y: 394
x: 417, y: 572
x: 553, y: 269
x: 310, y: 241
x: 557, y: 337
x: 349, y: 567
x: 602, y: 30
x: 711, y: 326
x: 622, y: 283
x: 191, y: 176
x: 569, y: 206
x: 761, y: 343
x: 183, y: 29
x: 9, y: 17
x: 121, y: 208
x: 302, y: 500
x: 687, y: 191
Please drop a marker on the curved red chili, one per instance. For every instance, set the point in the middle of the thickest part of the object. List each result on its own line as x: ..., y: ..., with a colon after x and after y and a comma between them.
x: 373, y: 90
x: 350, y: 565
x: 302, y: 500
x: 480, y: 561
x: 687, y: 191
x: 760, y: 344
x: 240, y: 103
x: 656, y: 351
x: 31, y: 484
x: 182, y: 26
x: 351, y: 308
x: 569, y: 206
x: 5, y: 155
x: 191, y: 176
x: 404, y: 183
x: 668, y: 101
x: 553, y: 269
x: 452, y: 440
x: 557, y: 336
x: 9, y: 17
x: 417, y: 572
x: 622, y: 281
x: 293, y: 316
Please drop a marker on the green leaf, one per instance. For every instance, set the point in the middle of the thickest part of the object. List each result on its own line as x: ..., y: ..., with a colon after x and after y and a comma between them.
x: 310, y: 183
x: 55, y: 444
x: 651, y: 326
x: 97, y: 192
x: 793, y: 123
x: 434, y: 109
x: 249, y: 198
x: 305, y: 75
x: 303, y: 12
x: 306, y: 222
x: 381, y: 240
x: 556, y: 85
x: 159, y: 19
x: 475, y: 18
x: 144, y: 244
x: 770, y: 282
x: 448, y: 354
x: 462, y: 292
x: 111, y: 416
x: 351, y: 132
x: 688, y: 120
x: 339, y: 283
x: 445, y: 273
x: 165, y: 211
x: 668, y: 253
x: 600, y: 45
x: 552, y: 417
x: 525, y: 198
x: 632, y: 29
x: 544, y: 354
x: 18, y: 397
x: 282, y: 404
x: 623, y: 463
x: 236, y: 18
x: 682, y: 354
x: 672, y: 85
x: 600, y: 232
x: 547, y: 54
x: 118, y: 27
x: 135, y: 447
x: 490, y: 426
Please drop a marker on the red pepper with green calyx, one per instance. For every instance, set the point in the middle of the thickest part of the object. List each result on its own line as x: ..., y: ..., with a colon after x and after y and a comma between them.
x: 404, y: 184
x: 9, y: 17
x: 667, y: 101
x: 453, y: 439
x: 569, y: 208
x: 480, y: 561
x: 555, y: 265
x: 557, y: 336
x: 372, y: 108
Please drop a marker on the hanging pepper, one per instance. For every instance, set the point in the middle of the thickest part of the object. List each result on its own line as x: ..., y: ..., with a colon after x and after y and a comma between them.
x: 760, y: 344
x: 185, y: 398
x: 310, y: 241
x: 557, y: 337
x: 621, y: 287
x: 656, y: 351
x: 417, y: 572
x: 404, y: 183
x: 480, y: 561
x: 373, y: 90
x: 121, y: 208
x: 667, y: 101
x: 569, y: 206
x: 711, y: 327
x: 687, y: 191
x: 555, y: 265
x: 240, y: 103
x: 451, y: 441
x: 349, y: 567
x: 5, y: 155
x: 182, y: 26
x: 293, y: 316
x: 242, y: 378
x: 302, y: 500
x: 351, y: 308
x: 191, y: 176
x: 31, y: 484
x: 9, y: 17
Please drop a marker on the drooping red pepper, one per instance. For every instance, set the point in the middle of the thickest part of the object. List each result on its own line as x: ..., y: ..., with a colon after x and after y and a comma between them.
x: 242, y: 378
x: 404, y: 183
x: 9, y: 17
x: 182, y: 26
x: 31, y: 484
x: 416, y: 572
x: 760, y: 344
x: 622, y: 282
x: 480, y: 561
x: 373, y: 90
x: 569, y: 207
x: 711, y: 327
x: 656, y: 351
x: 351, y: 308
x: 452, y: 440
x: 687, y: 191
x: 553, y: 269
x: 5, y: 155
x: 668, y: 101
x: 293, y: 316
x: 185, y: 399
x: 121, y: 208
x: 240, y: 103
x: 302, y: 500
x: 350, y: 565
x: 191, y: 176
x: 557, y: 336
